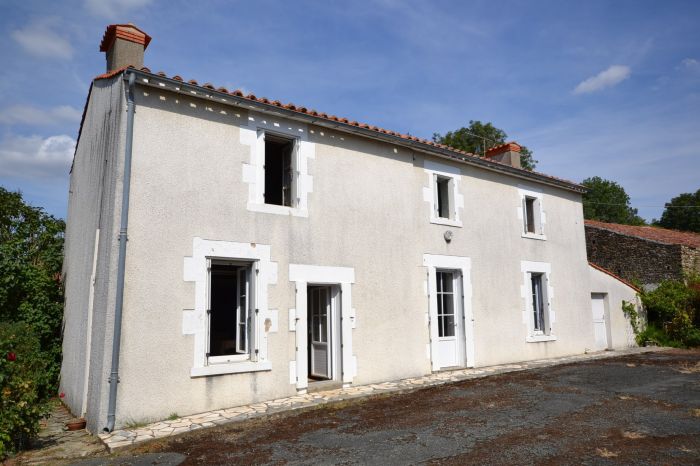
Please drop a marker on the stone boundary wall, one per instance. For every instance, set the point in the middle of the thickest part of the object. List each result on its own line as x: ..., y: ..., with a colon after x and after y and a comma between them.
x: 635, y: 258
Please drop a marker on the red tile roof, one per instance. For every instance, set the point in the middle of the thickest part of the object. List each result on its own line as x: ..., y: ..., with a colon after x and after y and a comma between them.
x: 617, y: 277
x: 457, y: 153
x: 660, y: 235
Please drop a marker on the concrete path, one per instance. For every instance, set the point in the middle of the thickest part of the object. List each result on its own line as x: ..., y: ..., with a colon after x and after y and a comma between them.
x: 167, y: 428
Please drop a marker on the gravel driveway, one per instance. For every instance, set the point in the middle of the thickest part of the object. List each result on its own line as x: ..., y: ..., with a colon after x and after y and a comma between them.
x: 640, y: 409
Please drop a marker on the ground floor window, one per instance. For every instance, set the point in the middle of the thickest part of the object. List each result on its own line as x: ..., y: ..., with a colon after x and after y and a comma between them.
x: 539, y: 325
x: 229, y: 311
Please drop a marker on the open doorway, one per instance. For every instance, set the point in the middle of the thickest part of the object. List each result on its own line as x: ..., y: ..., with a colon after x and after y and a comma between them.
x: 323, y: 329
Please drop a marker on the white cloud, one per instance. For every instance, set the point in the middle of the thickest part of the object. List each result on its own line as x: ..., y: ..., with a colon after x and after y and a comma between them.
x: 41, y: 40
x: 691, y: 63
x: 27, y: 114
x: 608, y: 78
x: 33, y: 157
x: 113, y: 8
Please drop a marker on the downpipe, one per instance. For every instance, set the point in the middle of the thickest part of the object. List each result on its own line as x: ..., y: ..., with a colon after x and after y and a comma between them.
x: 117, y: 334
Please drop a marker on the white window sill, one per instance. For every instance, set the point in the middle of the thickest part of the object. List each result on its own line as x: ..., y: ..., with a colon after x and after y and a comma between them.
x: 540, y: 338
x: 446, y: 221
x: 231, y: 368
x: 534, y: 236
x: 277, y: 210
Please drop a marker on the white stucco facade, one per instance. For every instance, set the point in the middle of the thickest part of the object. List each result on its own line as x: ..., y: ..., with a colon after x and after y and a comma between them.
x: 364, y: 223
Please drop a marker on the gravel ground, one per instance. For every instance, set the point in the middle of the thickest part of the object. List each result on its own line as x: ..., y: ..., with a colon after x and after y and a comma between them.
x: 635, y: 409
x: 638, y: 409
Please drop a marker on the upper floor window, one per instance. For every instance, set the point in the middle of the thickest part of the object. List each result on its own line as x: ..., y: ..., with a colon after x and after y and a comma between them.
x: 279, y: 170
x: 443, y: 193
x: 531, y: 213
x: 443, y: 204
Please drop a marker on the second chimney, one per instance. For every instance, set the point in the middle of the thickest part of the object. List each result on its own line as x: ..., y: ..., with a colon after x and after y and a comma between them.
x: 124, y: 45
x: 508, y: 153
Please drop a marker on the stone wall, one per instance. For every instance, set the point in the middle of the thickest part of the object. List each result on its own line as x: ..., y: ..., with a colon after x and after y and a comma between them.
x: 690, y: 258
x: 635, y: 258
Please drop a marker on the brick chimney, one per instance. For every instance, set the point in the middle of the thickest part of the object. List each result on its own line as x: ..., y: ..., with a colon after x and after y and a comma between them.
x: 508, y: 153
x: 124, y: 45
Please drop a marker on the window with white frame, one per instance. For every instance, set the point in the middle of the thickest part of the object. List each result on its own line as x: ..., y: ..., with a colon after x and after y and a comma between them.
x: 277, y: 173
x: 531, y: 213
x: 279, y: 170
x: 539, y: 321
x: 538, y: 315
x: 443, y: 201
x: 230, y: 326
x: 443, y: 193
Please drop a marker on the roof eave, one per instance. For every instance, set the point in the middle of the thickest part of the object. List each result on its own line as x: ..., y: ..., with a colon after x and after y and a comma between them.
x: 164, y: 83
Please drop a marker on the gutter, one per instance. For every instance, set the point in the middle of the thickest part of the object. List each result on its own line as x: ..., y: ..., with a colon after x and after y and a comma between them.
x: 117, y: 334
x: 164, y: 83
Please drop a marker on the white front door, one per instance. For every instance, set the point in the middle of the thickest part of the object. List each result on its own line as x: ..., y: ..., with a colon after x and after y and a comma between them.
x: 449, y: 348
x: 319, y: 318
x: 599, y: 328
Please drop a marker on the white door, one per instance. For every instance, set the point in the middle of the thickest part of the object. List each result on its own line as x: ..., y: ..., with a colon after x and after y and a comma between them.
x: 319, y: 308
x: 449, y: 350
x: 599, y: 328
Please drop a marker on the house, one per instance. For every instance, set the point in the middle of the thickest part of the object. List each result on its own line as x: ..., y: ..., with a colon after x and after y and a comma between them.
x: 643, y: 253
x: 224, y: 249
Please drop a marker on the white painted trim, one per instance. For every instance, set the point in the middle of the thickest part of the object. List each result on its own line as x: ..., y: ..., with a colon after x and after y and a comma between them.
x: 302, y: 276
x: 195, y: 319
x: 431, y: 169
x: 527, y: 268
x: 232, y: 368
x: 321, y: 274
x: 434, y: 262
x: 88, y: 335
x: 253, y: 173
x: 540, y: 215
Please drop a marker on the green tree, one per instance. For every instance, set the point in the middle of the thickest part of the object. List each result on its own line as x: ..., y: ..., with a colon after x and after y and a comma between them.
x: 31, y: 255
x: 607, y: 201
x: 479, y: 137
x: 682, y: 213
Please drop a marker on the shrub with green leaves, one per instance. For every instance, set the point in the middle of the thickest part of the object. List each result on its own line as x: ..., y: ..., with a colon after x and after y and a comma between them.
x: 672, y: 310
x: 22, y: 376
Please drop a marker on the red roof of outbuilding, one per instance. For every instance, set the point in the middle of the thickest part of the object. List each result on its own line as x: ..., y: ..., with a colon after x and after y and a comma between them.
x: 660, y: 235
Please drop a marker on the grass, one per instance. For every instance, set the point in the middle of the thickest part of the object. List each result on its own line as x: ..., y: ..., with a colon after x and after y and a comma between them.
x: 173, y: 416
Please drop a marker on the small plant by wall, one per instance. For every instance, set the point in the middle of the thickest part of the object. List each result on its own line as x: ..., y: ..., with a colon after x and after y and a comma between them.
x: 672, y: 310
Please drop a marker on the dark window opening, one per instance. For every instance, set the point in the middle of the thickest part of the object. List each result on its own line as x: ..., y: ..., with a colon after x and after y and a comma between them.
x: 278, y: 170
x: 530, y: 214
x: 537, y: 302
x: 443, y: 197
x: 229, y: 318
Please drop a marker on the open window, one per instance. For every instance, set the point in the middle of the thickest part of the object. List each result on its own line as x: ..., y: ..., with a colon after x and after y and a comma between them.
x: 230, y: 323
x: 279, y: 170
x: 539, y: 317
x: 530, y: 215
x: 533, y: 216
x: 443, y: 187
x: 536, y: 290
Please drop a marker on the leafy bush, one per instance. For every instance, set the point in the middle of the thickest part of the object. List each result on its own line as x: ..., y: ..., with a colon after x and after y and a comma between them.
x: 22, y: 379
x: 672, y: 312
x: 31, y: 313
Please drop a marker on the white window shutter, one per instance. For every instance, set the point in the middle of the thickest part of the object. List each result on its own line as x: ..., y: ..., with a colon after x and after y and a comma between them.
x: 436, y: 208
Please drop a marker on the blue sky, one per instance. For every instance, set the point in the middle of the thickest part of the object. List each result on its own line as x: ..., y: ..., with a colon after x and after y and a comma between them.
x: 592, y: 88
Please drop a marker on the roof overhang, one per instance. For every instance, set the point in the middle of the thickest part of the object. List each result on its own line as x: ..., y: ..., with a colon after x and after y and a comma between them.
x: 157, y: 81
